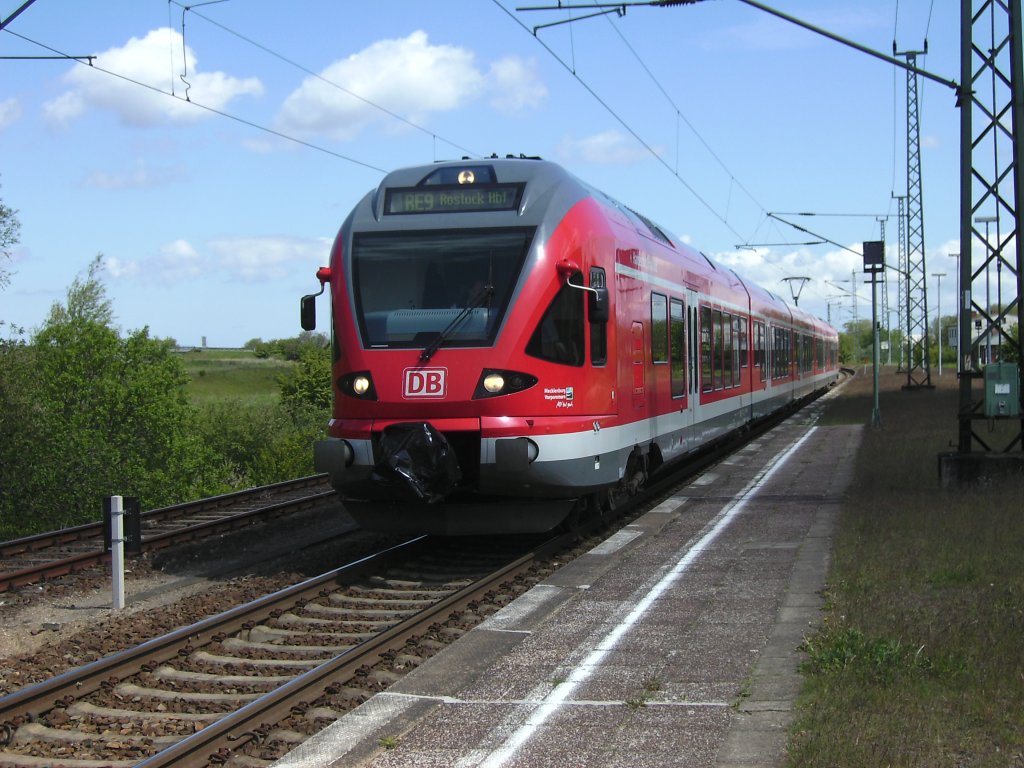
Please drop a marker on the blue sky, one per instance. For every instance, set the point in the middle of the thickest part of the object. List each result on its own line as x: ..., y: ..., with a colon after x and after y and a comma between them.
x: 213, y: 213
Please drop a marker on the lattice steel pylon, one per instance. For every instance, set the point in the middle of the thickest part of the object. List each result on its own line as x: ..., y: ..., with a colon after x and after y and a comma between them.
x: 991, y: 191
x: 918, y: 365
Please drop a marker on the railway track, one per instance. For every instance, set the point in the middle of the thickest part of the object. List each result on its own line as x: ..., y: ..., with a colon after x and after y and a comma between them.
x: 49, y: 555
x: 260, y: 678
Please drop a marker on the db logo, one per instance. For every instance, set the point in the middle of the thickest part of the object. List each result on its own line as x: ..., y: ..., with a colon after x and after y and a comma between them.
x: 424, y: 382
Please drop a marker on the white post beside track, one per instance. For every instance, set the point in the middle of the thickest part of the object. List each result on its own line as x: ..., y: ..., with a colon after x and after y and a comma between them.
x: 117, y: 551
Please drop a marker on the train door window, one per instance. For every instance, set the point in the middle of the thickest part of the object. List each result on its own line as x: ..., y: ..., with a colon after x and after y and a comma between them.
x: 706, y: 363
x: 786, y: 369
x: 727, y: 350
x: 694, y: 352
x: 785, y: 355
x: 744, y: 345
x: 784, y: 350
x: 737, y: 357
x: 778, y: 354
x: 598, y: 331
x: 677, y: 335
x: 559, y: 335
x: 759, y: 350
x: 719, y: 353
x: 659, y: 328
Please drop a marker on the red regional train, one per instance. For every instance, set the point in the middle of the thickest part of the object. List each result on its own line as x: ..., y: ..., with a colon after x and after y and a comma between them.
x: 512, y: 347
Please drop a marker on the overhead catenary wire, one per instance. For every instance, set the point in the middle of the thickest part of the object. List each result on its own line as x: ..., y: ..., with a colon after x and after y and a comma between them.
x: 772, y: 221
x: 213, y: 110
x: 632, y: 132
x: 679, y: 114
x: 291, y: 62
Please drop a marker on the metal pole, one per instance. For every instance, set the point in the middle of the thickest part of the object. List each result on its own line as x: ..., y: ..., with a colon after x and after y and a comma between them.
x: 938, y: 310
x: 964, y: 438
x: 876, y: 418
x: 957, y: 257
x: 117, y: 551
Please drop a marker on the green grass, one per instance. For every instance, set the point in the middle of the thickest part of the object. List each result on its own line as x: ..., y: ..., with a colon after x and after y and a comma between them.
x: 920, y: 659
x: 234, y: 373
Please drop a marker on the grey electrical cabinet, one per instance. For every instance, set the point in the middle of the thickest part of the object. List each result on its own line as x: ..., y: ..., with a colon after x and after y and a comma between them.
x: 1002, y: 390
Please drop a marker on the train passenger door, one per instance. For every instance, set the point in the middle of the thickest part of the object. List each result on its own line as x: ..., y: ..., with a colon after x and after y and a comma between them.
x: 639, y: 391
x: 691, y: 414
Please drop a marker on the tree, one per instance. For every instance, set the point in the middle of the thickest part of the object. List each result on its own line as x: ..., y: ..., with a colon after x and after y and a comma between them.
x: 309, y: 384
x: 95, y: 414
x: 10, y: 231
x: 1009, y: 349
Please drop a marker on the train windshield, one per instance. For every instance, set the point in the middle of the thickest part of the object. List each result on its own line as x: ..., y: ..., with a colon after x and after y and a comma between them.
x: 412, y: 287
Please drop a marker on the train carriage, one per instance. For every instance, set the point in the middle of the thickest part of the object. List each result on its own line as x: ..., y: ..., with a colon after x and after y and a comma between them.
x: 511, y: 345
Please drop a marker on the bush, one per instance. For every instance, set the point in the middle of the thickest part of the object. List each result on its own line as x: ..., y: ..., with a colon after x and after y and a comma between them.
x: 88, y: 414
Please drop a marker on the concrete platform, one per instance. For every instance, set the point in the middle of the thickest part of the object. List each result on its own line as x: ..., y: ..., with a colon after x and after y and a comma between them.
x: 674, y: 643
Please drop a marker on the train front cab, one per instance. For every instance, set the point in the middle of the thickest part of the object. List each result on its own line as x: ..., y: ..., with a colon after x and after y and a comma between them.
x: 524, y: 455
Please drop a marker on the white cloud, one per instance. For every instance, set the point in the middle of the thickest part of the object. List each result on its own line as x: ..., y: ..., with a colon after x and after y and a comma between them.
x: 516, y: 85
x: 768, y: 267
x: 251, y: 259
x: 176, y: 261
x: 407, y: 77
x: 155, y: 61
x: 10, y: 110
x: 609, y: 147
x: 261, y: 259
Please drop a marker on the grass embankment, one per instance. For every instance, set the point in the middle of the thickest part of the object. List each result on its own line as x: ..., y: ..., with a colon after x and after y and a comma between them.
x: 920, y: 660
x: 234, y: 373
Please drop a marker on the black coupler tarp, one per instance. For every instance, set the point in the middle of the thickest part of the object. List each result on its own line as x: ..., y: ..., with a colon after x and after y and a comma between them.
x: 415, y: 461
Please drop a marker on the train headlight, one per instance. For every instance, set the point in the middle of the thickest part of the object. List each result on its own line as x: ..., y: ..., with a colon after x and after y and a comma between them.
x: 494, y: 382
x: 358, y: 384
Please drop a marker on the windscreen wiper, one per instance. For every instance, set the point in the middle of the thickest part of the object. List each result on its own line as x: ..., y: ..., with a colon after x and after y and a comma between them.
x: 483, y: 296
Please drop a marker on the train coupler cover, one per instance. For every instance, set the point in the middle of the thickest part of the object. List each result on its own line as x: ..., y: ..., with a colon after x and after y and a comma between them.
x: 415, y: 460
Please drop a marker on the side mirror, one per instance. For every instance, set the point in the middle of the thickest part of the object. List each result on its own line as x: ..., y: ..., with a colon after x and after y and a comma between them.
x: 307, y: 312
x: 597, y: 305
x: 307, y: 306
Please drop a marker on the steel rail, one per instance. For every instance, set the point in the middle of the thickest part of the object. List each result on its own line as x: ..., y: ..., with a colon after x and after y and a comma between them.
x: 216, y: 741
x: 91, y: 531
x: 29, y: 702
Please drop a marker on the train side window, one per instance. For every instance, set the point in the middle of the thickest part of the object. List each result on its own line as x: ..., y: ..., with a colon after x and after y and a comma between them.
x: 559, y: 335
x: 659, y: 328
x: 598, y: 331
x: 706, y: 363
x: 677, y: 337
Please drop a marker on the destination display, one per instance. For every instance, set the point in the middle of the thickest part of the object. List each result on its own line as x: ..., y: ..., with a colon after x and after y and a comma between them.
x: 453, y: 199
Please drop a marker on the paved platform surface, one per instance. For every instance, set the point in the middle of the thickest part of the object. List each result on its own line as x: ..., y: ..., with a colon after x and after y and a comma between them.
x: 674, y: 643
